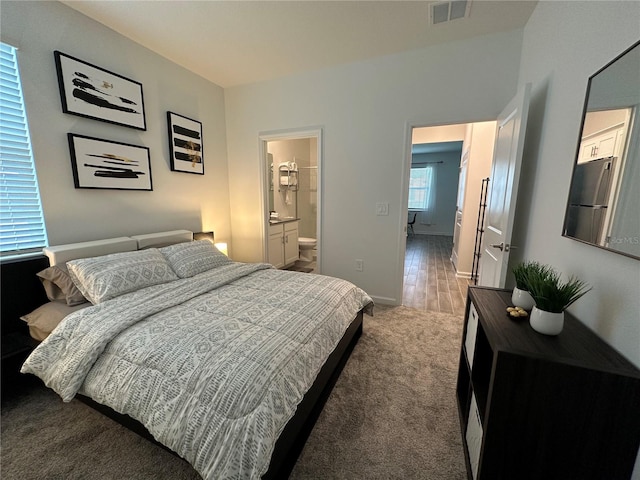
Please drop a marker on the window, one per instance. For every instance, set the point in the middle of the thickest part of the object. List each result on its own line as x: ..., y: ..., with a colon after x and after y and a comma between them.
x: 420, y: 188
x: 21, y: 221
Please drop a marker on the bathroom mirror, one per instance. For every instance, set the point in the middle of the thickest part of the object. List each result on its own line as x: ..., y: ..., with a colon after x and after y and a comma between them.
x: 604, y: 198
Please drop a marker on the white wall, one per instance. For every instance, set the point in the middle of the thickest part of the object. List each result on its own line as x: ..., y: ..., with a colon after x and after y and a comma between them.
x: 597, y: 121
x: 178, y: 200
x: 366, y: 110
x: 443, y: 218
x: 573, y: 31
x: 440, y: 133
x: 583, y: 36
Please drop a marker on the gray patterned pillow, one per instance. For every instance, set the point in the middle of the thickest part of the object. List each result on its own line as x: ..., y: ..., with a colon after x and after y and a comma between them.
x: 102, y: 278
x: 190, y: 258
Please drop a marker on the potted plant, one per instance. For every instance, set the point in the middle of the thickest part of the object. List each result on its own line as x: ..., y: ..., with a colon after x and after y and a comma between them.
x: 552, y: 297
x: 521, y: 296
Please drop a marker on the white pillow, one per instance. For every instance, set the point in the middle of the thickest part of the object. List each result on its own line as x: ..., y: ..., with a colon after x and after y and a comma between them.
x: 190, y: 258
x: 102, y: 278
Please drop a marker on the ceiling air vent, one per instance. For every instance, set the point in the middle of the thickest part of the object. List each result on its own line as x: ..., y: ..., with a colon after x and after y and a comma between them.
x: 442, y: 12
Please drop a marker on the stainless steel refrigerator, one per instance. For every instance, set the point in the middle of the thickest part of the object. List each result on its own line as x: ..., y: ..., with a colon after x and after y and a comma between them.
x: 588, y: 199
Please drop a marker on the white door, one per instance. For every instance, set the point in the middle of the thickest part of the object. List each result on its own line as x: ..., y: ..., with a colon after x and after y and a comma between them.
x: 457, y: 226
x: 503, y: 190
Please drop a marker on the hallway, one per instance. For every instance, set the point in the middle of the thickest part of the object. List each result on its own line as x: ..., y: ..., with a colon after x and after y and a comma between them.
x: 430, y: 282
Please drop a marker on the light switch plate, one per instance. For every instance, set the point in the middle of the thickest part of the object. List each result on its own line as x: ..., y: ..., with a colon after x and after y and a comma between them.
x: 382, y: 208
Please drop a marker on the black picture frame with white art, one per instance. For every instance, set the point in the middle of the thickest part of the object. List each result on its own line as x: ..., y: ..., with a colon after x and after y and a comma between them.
x: 89, y: 91
x: 185, y: 144
x: 105, y: 164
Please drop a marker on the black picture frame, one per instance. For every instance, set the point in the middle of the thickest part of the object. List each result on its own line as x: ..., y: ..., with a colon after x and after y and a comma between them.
x: 185, y: 144
x: 105, y: 164
x: 89, y: 91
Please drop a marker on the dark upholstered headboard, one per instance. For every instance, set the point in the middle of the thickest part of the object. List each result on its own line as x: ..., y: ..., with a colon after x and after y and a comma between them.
x: 20, y: 291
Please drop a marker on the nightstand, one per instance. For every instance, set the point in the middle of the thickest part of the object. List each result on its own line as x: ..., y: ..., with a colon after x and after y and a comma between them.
x: 16, y: 347
x: 16, y: 344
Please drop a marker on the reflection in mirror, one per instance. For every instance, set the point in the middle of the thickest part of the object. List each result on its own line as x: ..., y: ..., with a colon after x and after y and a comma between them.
x: 604, y: 199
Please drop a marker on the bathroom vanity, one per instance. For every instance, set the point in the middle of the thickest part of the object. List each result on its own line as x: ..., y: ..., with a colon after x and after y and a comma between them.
x: 283, y: 242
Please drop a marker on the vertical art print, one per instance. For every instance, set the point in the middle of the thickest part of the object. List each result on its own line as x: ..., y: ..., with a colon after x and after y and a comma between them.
x: 105, y: 164
x: 185, y: 144
x: 93, y: 92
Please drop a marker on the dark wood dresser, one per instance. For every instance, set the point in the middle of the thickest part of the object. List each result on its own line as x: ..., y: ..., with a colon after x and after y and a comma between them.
x: 541, y: 407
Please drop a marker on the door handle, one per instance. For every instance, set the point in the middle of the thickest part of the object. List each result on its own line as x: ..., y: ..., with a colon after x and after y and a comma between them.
x: 502, y: 246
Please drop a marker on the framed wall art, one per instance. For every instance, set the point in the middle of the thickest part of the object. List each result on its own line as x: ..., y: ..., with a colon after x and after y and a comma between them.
x: 93, y: 92
x: 100, y: 163
x: 185, y: 144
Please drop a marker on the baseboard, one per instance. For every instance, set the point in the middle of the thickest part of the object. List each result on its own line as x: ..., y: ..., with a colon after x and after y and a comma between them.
x: 439, y: 234
x: 384, y: 300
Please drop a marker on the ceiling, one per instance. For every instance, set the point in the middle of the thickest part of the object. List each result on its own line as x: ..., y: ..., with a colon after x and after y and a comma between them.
x: 239, y: 42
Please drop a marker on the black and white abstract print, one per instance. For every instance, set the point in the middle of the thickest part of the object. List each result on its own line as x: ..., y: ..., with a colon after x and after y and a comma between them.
x: 105, y: 164
x: 185, y: 144
x: 93, y: 92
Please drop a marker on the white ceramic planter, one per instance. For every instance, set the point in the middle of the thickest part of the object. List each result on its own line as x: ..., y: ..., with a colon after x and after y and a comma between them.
x: 522, y: 298
x: 548, y: 323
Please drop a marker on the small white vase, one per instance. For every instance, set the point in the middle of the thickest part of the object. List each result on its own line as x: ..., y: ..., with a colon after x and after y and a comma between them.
x: 522, y: 298
x: 548, y: 323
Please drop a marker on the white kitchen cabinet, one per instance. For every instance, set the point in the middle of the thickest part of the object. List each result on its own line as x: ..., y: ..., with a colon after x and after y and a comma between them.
x: 604, y: 144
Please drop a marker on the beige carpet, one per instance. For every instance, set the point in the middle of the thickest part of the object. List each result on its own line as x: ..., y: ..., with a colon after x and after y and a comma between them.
x: 392, y: 414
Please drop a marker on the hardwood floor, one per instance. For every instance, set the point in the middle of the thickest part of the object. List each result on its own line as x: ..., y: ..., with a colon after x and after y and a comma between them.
x: 430, y: 282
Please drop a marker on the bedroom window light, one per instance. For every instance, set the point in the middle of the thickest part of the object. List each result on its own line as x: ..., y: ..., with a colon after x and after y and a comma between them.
x: 22, y: 228
x: 420, y: 187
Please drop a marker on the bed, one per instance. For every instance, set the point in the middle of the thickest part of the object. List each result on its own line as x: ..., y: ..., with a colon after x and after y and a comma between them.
x: 226, y: 364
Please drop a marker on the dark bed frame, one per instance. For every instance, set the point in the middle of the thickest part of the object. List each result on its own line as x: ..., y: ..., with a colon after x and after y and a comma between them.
x: 22, y: 292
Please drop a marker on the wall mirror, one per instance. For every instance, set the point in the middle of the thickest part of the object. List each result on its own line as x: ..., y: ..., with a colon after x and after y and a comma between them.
x: 603, y: 208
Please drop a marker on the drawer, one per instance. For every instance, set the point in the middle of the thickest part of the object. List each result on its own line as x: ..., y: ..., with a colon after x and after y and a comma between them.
x: 473, y: 436
x: 472, y: 331
x: 277, y: 229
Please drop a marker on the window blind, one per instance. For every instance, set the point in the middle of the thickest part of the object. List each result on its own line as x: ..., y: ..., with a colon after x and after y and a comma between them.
x: 22, y: 227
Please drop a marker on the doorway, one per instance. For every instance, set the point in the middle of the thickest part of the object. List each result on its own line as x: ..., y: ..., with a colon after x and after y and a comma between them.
x: 291, y: 168
x: 460, y: 156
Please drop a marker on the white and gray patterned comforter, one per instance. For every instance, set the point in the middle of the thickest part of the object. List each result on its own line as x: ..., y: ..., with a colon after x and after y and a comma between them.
x: 214, y: 365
